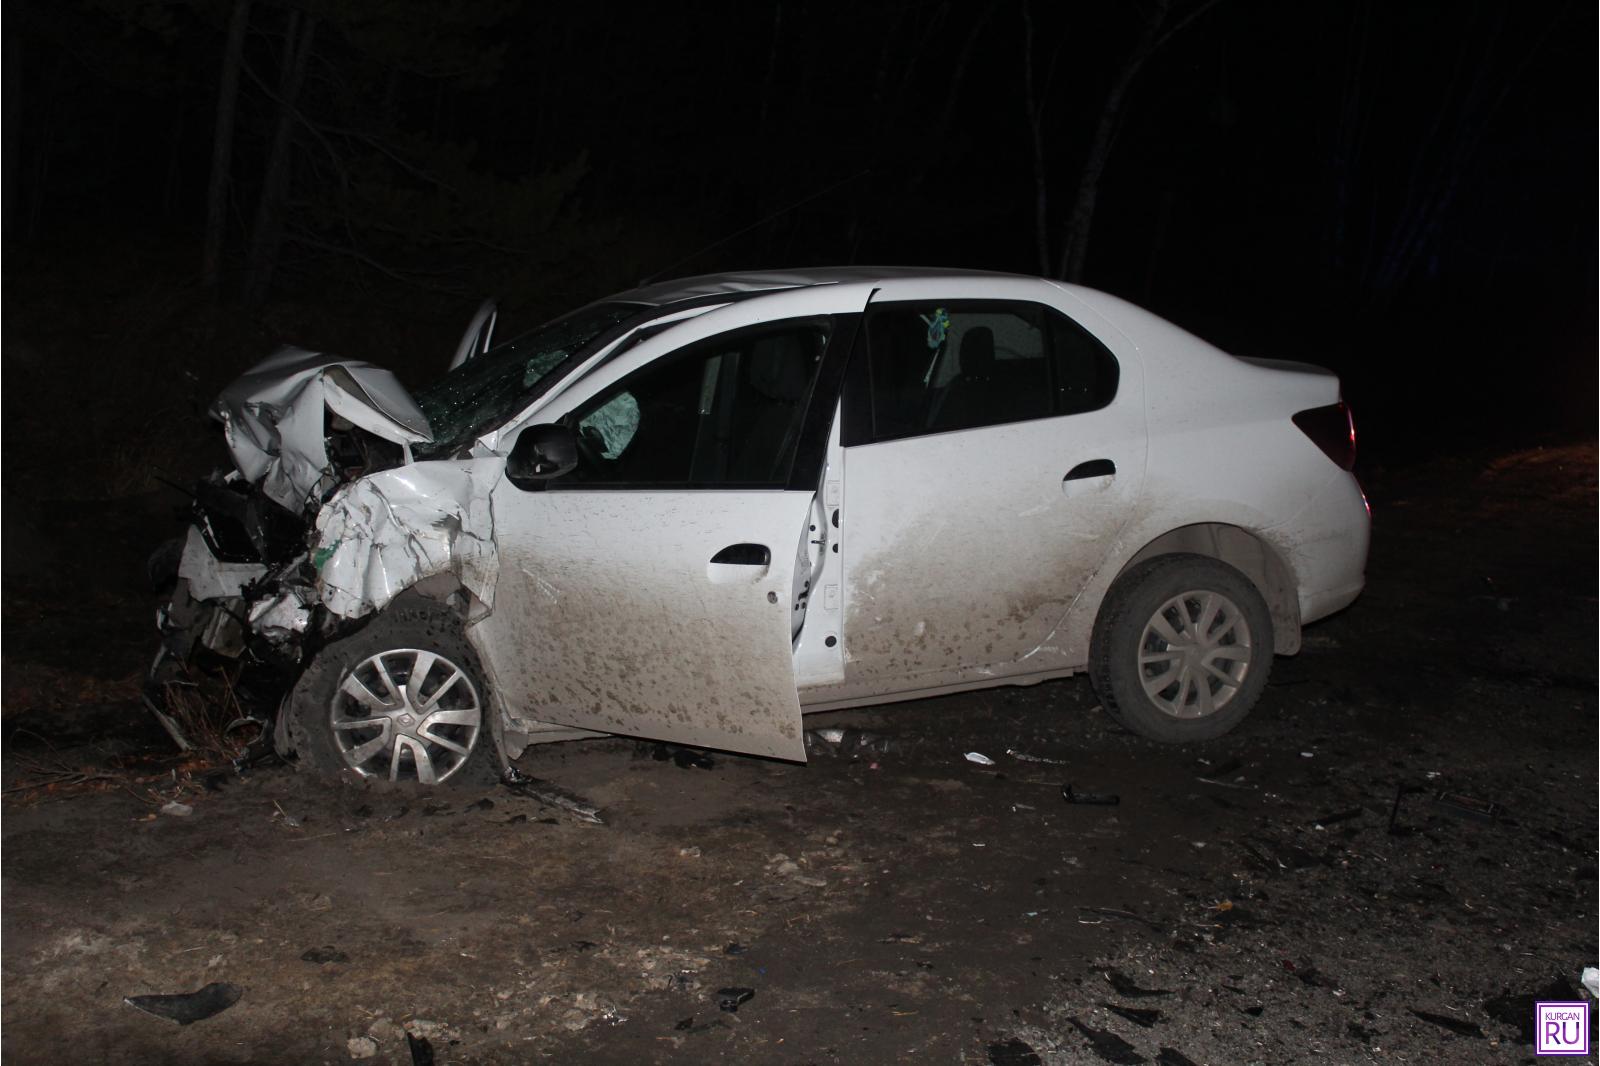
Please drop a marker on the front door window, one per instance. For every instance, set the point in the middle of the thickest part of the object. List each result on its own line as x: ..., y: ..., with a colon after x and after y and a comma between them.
x: 724, y: 413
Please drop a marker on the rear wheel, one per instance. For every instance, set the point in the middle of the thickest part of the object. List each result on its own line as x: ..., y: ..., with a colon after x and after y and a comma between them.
x: 402, y: 700
x: 1182, y: 648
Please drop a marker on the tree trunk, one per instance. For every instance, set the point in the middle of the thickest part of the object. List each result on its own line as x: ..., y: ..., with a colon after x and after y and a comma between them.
x: 1156, y: 32
x: 1075, y: 250
x: 222, y: 146
x: 267, y: 235
x: 1035, y: 109
x: 11, y: 128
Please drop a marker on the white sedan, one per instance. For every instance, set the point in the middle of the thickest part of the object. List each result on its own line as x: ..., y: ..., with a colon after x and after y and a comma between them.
x: 697, y: 510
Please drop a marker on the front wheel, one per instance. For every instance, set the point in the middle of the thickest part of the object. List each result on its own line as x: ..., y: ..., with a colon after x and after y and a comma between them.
x: 1182, y: 648
x: 402, y: 700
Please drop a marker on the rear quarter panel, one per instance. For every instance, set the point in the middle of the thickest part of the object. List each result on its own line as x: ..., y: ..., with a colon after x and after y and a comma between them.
x: 1222, y: 449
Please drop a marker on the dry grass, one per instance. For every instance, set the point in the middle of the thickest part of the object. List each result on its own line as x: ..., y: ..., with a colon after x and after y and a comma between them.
x: 205, y: 708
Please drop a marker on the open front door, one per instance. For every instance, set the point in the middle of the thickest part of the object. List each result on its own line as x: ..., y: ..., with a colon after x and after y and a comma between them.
x: 651, y: 591
x: 656, y: 614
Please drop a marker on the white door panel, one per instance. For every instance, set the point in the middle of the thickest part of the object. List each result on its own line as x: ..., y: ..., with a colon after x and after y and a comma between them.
x: 964, y: 550
x: 611, y: 615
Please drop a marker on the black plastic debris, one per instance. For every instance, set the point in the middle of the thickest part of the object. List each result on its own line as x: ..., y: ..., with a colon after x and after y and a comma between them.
x: 1139, y: 1016
x: 1013, y: 1052
x: 551, y: 795
x: 1109, y: 1046
x: 731, y: 999
x: 432, y: 810
x: 1454, y: 1025
x: 1089, y: 799
x: 323, y: 954
x: 485, y: 804
x: 735, y: 948
x: 421, y: 1050
x: 516, y: 819
x: 1171, y: 1056
x: 685, y: 1024
x: 1470, y: 807
x: 683, y: 758
x: 187, y: 1007
x: 1126, y: 986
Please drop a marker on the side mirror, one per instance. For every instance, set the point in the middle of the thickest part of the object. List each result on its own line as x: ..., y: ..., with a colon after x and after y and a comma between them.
x: 542, y: 452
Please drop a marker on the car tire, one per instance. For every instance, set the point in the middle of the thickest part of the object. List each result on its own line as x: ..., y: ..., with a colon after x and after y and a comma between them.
x: 362, y: 706
x: 1182, y: 649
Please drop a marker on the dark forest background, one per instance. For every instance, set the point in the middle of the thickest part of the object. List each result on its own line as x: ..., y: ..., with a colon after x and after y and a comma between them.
x: 1403, y: 191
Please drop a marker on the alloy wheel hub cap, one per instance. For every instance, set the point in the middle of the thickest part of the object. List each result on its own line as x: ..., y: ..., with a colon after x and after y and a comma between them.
x: 406, y: 714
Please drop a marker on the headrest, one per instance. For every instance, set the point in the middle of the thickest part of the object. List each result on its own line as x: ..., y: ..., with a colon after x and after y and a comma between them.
x: 976, y: 357
x: 780, y: 367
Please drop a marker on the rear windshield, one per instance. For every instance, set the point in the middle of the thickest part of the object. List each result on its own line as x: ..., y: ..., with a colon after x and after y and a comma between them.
x: 495, y: 385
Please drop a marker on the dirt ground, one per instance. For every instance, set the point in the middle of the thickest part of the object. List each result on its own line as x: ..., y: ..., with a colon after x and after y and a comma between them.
x: 1298, y: 891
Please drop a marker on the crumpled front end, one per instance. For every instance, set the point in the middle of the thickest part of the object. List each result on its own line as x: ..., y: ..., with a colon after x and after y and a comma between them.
x: 325, y: 520
x: 297, y: 421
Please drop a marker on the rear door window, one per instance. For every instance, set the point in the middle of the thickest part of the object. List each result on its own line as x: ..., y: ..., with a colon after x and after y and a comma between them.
x: 934, y: 367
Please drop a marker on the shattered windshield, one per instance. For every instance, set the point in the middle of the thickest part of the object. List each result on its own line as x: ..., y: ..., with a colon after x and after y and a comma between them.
x: 496, y: 383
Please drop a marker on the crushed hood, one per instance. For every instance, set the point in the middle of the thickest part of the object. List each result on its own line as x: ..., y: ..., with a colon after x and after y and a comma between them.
x: 273, y: 419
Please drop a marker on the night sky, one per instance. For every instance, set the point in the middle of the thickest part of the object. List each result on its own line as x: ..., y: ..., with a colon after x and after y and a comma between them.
x: 1402, y: 191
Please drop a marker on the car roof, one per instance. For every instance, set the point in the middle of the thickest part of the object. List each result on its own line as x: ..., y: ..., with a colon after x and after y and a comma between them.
x: 662, y: 293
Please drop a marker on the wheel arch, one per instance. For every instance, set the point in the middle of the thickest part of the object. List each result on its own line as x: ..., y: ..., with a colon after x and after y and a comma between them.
x: 1247, y: 553
x: 439, y: 600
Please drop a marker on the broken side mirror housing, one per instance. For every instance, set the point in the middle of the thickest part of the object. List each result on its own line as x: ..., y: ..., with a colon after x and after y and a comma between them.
x: 542, y: 452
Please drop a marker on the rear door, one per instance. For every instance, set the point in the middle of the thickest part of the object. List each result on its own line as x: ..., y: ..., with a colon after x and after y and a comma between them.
x: 994, y: 447
x: 659, y: 589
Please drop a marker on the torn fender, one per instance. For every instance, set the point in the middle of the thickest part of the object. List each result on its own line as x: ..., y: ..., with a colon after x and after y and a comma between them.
x: 273, y: 419
x: 383, y: 533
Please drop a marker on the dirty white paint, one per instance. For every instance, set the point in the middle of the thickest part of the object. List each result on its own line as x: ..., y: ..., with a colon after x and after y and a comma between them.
x: 963, y: 559
x: 273, y: 419
x: 383, y: 533
x: 643, y: 639
x: 965, y: 548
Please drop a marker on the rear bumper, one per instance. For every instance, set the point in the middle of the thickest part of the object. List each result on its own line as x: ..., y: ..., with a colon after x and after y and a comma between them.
x: 1326, y: 546
x: 1328, y: 601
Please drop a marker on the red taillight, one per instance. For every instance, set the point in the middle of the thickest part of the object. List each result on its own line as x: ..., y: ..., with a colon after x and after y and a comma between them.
x: 1333, y: 430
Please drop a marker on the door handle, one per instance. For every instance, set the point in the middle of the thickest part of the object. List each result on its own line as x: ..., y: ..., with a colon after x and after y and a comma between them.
x: 744, y: 555
x: 1092, y: 468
